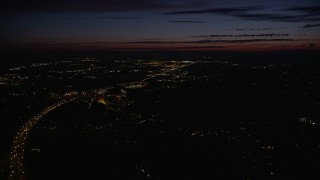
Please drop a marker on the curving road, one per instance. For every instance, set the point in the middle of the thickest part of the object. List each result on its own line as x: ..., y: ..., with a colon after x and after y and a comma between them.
x: 17, y: 151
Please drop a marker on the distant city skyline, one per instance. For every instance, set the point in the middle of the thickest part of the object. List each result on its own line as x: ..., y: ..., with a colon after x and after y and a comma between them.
x: 230, y: 25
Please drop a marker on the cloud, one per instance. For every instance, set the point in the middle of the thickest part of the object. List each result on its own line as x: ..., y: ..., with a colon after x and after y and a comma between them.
x: 311, y: 10
x: 122, y: 18
x: 311, y: 25
x: 223, y: 11
x: 277, y: 17
x: 155, y: 42
x: 203, y: 47
x: 253, y: 29
x: 301, y: 14
x: 206, y: 41
x: 243, y: 41
x: 188, y: 21
x: 310, y: 45
x: 242, y: 35
x: 104, y: 18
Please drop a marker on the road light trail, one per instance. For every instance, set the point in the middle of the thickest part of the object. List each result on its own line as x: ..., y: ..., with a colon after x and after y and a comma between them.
x: 17, y: 152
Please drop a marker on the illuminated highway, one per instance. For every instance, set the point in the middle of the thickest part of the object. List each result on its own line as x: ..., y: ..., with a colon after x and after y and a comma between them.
x: 17, y: 152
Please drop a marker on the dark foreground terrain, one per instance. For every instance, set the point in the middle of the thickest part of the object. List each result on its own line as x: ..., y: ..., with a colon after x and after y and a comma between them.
x: 152, y: 119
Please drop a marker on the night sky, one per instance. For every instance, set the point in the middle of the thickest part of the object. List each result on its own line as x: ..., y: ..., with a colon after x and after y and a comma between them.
x: 229, y: 25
